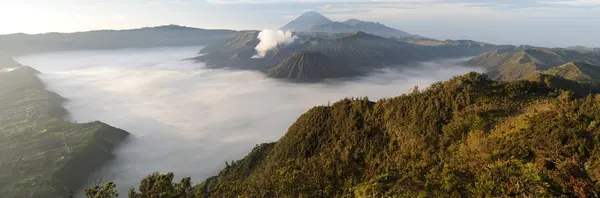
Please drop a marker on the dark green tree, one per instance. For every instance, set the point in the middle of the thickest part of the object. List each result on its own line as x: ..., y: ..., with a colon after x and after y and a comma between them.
x: 161, y: 186
x: 108, y: 190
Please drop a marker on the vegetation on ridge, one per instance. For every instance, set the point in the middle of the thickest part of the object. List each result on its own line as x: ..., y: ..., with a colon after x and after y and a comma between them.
x: 517, y: 63
x: 466, y: 137
x: 42, y: 155
x: 576, y: 71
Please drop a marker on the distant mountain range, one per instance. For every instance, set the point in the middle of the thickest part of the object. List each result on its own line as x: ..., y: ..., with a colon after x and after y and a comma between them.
x: 520, y: 62
x: 335, y: 49
x: 306, y: 21
x: 340, y: 54
x: 315, y: 22
x: 583, y: 48
x: 161, y: 36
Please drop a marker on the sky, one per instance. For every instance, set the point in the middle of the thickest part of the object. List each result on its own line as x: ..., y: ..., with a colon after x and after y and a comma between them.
x: 548, y: 23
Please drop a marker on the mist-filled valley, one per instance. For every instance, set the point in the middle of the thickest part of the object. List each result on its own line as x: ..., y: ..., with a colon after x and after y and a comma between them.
x: 182, y: 99
x: 188, y: 119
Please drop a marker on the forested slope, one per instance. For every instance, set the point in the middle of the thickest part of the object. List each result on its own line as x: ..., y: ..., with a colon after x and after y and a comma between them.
x: 467, y: 137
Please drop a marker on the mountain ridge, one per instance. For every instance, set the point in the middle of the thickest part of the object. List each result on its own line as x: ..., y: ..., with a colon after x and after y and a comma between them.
x: 352, y: 52
x: 315, y: 22
x: 516, y: 63
x: 356, y: 25
x: 159, y: 36
x: 43, y: 155
x: 465, y: 137
x: 577, y: 71
x: 305, y: 21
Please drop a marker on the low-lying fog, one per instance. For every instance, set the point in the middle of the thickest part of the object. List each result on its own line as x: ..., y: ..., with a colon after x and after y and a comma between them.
x: 189, y: 120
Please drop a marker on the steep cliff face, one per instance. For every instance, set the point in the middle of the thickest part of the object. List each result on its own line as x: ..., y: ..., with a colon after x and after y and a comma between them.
x: 43, y: 155
x: 102, y: 141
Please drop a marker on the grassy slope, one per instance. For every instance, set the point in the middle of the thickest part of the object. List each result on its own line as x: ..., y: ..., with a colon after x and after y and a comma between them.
x: 577, y: 71
x: 517, y: 63
x: 467, y: 137
x: 42, y: 155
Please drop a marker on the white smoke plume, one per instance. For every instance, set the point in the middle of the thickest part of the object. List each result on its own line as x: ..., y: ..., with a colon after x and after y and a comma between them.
x: 270, y: 39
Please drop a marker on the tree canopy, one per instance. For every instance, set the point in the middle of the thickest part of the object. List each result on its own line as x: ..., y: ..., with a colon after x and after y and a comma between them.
x: 466, y: 137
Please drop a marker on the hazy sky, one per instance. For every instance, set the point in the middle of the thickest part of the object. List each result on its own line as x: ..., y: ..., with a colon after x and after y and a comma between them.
x: 535, y: 22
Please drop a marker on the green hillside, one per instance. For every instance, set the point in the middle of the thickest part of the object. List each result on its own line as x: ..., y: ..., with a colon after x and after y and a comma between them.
x: 576, y: 71
x: 467, y: 137
x: 516, y: 63
x: 40, y: 154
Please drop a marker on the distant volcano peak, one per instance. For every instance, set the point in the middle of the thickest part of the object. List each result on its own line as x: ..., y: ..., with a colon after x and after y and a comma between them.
x: 306, y: 21
x: 312, y: 13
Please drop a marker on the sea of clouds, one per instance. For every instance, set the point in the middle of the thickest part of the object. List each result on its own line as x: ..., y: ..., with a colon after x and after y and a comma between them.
x: 187, y: 119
